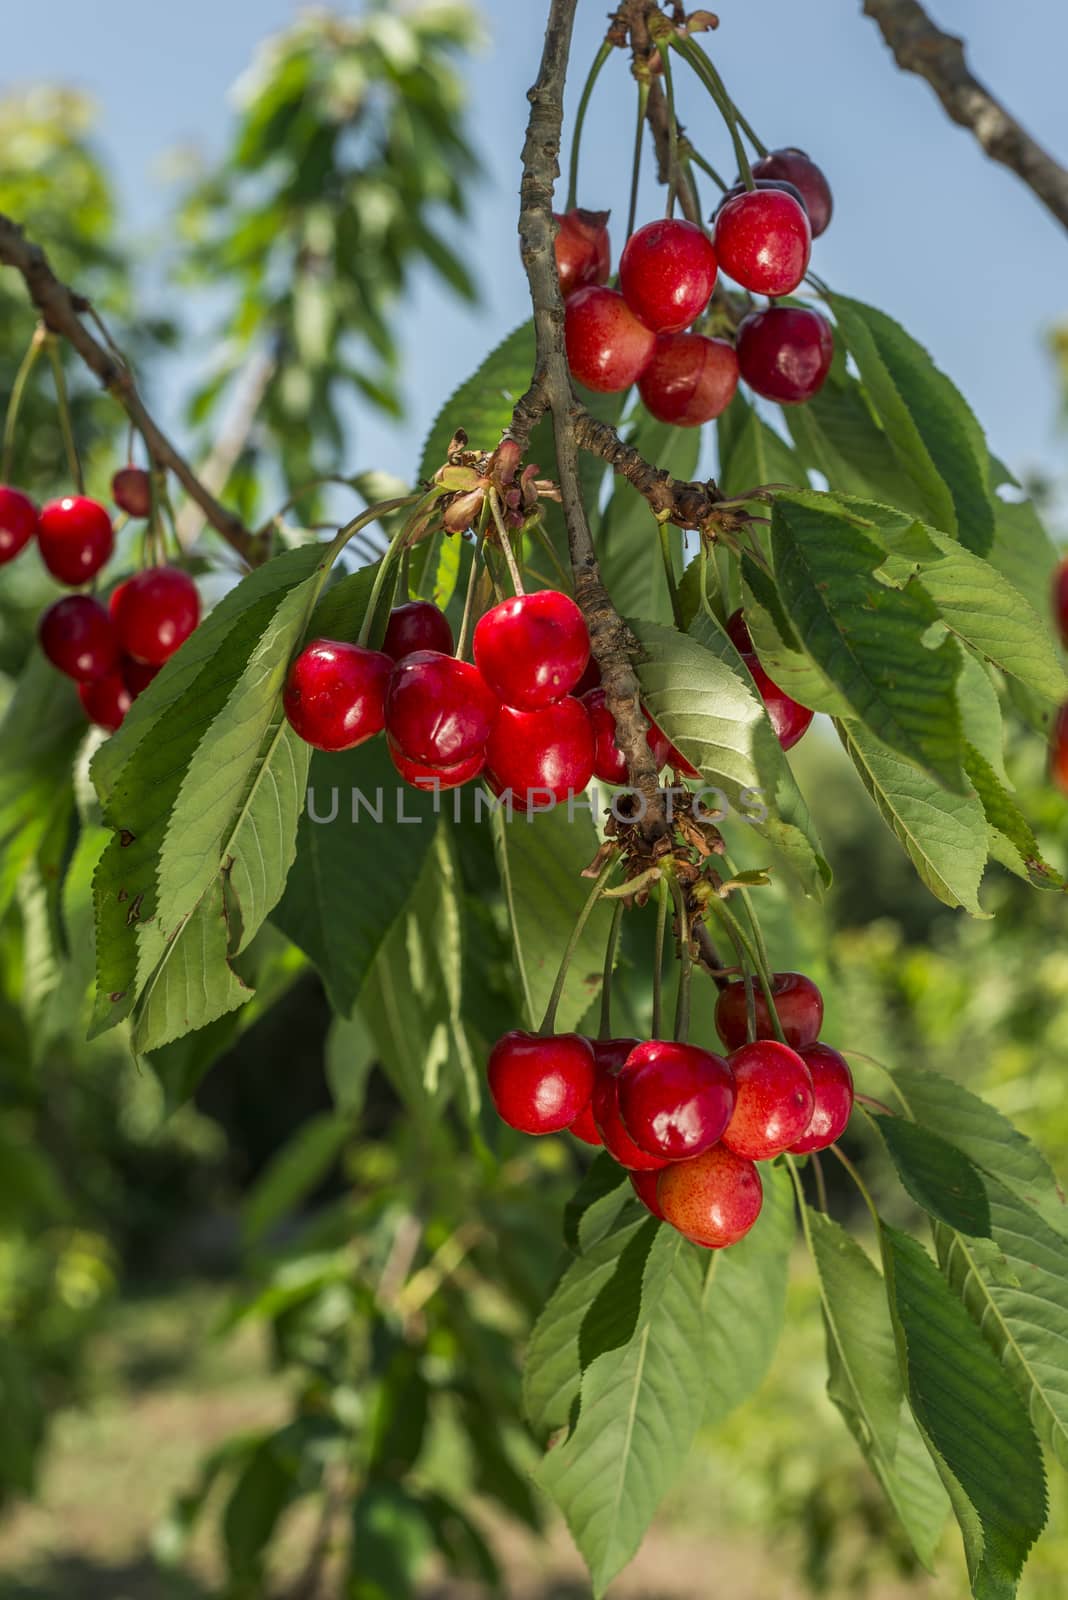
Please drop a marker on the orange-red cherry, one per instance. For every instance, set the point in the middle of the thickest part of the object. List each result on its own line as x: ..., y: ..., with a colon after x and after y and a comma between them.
x: 607, y: 347
x: 714, y: 1200
x: 689, y: 380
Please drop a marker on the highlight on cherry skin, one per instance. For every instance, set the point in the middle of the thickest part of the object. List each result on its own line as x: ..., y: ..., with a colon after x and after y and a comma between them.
x: 689, y: 379
x: 610, y: 1055
x: 785, y: 352
x: 417, y: 625
x: 77, y: 637
x: 550, y: 750
x: 438, y: 709
x: 18, y: 522
x: 75, y: 538
x: 607, y: 346
x: 832, y: 1087
x: 790, y: 165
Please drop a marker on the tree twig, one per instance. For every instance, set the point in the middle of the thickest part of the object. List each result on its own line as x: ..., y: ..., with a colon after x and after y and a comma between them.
x: 919, y: 45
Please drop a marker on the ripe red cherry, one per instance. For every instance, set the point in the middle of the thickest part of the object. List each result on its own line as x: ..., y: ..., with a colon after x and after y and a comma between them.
x: 78, y: 638
x: 763, y: 241
x: 675, y: 1099
x: 131, y: 490
x: 774, y: 1100
x: 1059, y: 750
x: 533, y: 649
x: 537, y: 754
x: 540, y: 1084
x: 439, y: 710
x: 1060, y: 598
x: 584, y: 1127
x: 154, y: 613
x: 794, y: 166
x: 609, y: 762
x: 607, y: 347
x: 136, y: 675
x: 76, y: 538
x: 583, y: 250
x: 106, y: 701
x: 425, y: 775
x: 335, y: 694
x: 667, y: 273
x: 645, y: 1185
x: 832, y: 1084
x: 798, y: 1003
x: 787, y: 716
x: 689, y: 380
x: 676, y: 759
x: 714, y: 1200
x: 785, y: 352
x: 609, y: 1055
x: 418, y: 625
x: 18, y: 522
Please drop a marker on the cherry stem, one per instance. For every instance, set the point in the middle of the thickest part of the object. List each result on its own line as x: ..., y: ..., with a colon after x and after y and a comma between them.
x: 580, y: 117
x: 506, y: 544
x: 548, y: 1023
x: 858, y: 1055
x: 820, y: 1180
x: 26, y: 366
x: 673, y: 131
x: 715, y: 86
x: 543, y: 537
x: 469, y: 599
x: 396, y: 544
x: 664, y: 532
x: 663, y: 897
x: 605, y: 1029
x: 636, y: 168
x: 876, y: 1105
x: 762, y: 963
x: 861, y: 1185
x: 682, y: 1003
x: 705, y: 166
x: 63, y: 404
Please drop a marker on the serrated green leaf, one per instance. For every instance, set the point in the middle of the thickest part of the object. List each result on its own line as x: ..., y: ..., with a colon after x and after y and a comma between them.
x: 1012, y: 839
x: 39, y: 733
x: 593, y: 1207
x: 937, y: 1175
x: 751, y: 453
x: 484, y: 402
x: 1022, y: 551
x: 981, y: 718
x: 778, y: 647
x: 628, y: 544
x: 836, y: 433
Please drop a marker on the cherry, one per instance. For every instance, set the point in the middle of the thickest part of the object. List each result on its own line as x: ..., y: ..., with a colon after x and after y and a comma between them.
x: 832, y: 1083
x: 583, y: 250
x: 533, y: 649
x: 131, y: 490
x: 335, y: 694
x: 774, y: 1103
x: 154, y: 613
x: 1060, y: 597
x: 738, y: 633
x: 607, y: 347
x: 18, y: 522
x: 798, y: 1003
x: 1059, y: 751
x: 714, y: 1200
x: 136, y: 675
x: 785, y: 352
x: 584, y: 1127
x: 425, y: 775
x: 610, y: 1055
x: 549, y: 750
x: 789, y: 718
x: 609, y: 762
x: 106, y: 701
x: 76, y: 538
x: 417, y: 625
x: 439, y: 710
x: 793, y: 166
x: 689, y: 380
x: 645, y: 1185
x: 78, y: 638
x: 540, y: 1083
x: 667, y: 273
x: 675, y: 1099
x: 676, y: 759
x: 763, y: 241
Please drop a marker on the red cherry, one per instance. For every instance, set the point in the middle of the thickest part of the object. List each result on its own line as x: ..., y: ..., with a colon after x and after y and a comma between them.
x: 540, y: 1084
x: 763, y: 241
x: 76, y: 538
x: 439, y: 710
x: 609, y: 1055
x: 785, y: 352
x: 18, y: 522
x: 798, y: 1003
x: 154, y: 613
x: 106, y: 701
x: 714, y: 1200
x: 1059, y: 750
x: 136, y: 675
x: 418, y: 625
x: 1060, y: 598
x: 549, y: 750
x: 533, y: 649
x: 689, y: 380
x: 675, y: 1099
x: 78, y: 638
x: 775, y: 1100
x: 609, y: 762
x: 131, y: 490
x: 584, y: 1127
x: 794, y: 166
x: 583, y: 250
x: 667, y: 273
x: 424, y: 775
x: 645, y: 1185
x: 762, y: 183
x: 335, y: 694
x: 607, y: 347
x: 789, y: 719
x: 832, y: 1084
x: 675, y: 758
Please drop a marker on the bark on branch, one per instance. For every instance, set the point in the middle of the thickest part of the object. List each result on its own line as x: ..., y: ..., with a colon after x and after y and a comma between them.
x: 919, y: 45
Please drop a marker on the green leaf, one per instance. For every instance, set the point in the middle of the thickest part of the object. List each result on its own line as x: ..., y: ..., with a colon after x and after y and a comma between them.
x: 978, y: 1432
x: 865, y: 1384
x: 348, y: 1058
x: 298, y: 1168
x: 937, y: 1175
x: 836, y: 433
x: 484, y: 402
x: 596, y: 1202
x: 778, y: 647
x: 942, y: 833
x: 751, y: 453
x: 980, y: 713
x: 628, y: 543
x: 392, y: 1539
x: 1012, y: 839
x: 933, y: 432
x: 260, y: 1495
x: 867, y: 637
x: 1023, y: 551
x: 697, y: 690
x: 612, y: 1316
x: 39, y: 734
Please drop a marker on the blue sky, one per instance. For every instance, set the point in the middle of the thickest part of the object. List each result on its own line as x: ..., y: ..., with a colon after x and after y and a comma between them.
x: 925, y: 226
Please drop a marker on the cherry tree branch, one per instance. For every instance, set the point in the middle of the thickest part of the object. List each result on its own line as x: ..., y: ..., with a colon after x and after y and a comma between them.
x: 919, y: 45
x: 62, y: 312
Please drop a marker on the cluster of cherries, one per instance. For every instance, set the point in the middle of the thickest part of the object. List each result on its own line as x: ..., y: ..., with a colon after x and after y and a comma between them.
x: 1059, y: 752
x: 761, y: 237
x: 112, y: 653
x: 688, y: 1125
